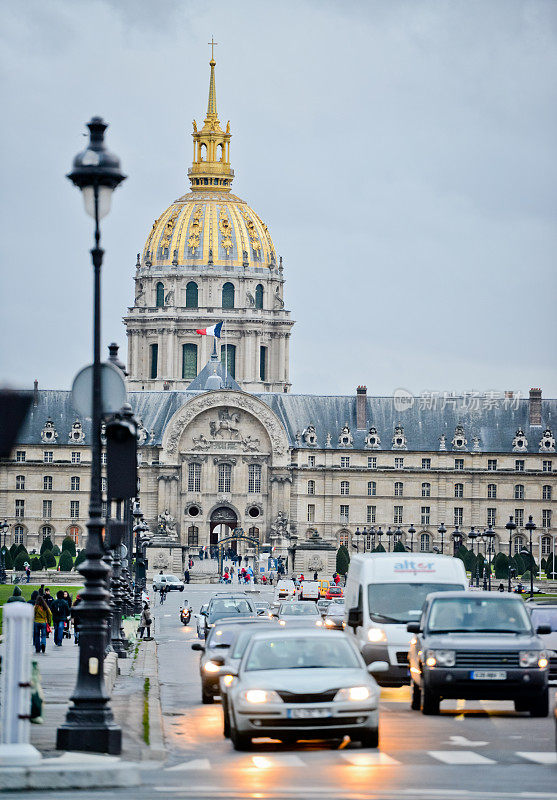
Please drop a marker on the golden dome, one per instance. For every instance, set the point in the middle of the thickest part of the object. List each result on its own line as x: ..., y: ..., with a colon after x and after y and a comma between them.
x: 209, y: 226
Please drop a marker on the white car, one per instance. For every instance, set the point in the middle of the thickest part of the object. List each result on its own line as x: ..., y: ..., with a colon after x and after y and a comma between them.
x: 170, y: 582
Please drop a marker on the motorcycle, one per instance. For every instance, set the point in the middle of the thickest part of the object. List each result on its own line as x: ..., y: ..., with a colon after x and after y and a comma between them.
x: 185, y: 615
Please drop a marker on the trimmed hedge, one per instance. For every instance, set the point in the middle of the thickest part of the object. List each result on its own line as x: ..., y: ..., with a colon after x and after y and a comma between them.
x: 46, y: 545
x: 343, y: 560
x: 69, y: 545
x: 48, y: 559
x: 66, y: 561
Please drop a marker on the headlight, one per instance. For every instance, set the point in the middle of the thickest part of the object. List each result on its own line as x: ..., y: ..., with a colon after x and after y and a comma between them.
x: 319, y: 623
x: 440, y: 658
x: 228, y: 680
x: 376, y: 635
x: 531, y: 658
x: 282, y: 622
x: 355, y: 693
x: 261, y: 696
x: 330, y: 623
x: 211, y: 667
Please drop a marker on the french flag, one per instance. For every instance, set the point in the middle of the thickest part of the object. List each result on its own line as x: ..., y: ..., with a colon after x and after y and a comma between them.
x: 214, y: 330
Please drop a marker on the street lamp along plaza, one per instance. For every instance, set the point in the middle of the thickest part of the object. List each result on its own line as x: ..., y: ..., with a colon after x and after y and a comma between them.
x: 511, y: 527
x: 89, y: 724
x: 531, y: 527
x: 4, y: 528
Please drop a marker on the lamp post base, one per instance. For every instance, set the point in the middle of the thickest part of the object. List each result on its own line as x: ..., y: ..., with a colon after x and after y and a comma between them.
x: 90, y: 738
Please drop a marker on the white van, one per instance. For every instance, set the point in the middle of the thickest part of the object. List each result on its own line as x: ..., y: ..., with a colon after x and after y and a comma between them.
x: 385, y: 591
x: 285, y: 589
x: 309, y: 590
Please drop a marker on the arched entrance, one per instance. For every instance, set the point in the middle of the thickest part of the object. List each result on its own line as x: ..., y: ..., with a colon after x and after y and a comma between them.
x: 223, y: 521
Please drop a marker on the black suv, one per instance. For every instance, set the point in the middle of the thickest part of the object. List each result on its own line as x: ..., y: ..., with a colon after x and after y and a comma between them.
x: 477, y: 646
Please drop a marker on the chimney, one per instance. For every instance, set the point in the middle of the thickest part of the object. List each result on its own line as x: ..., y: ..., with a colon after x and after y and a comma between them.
x: 113, y: 358
x: 35, y: 393
x: 361, y: 407
x: 535, y: 407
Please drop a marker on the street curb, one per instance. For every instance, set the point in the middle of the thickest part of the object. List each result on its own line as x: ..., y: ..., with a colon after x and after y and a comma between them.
x: 50, y: 774
x: 155, y: 750
x: 111, y: 671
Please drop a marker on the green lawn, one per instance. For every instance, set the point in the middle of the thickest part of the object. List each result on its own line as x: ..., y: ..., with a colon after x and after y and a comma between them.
x: 28, y: 588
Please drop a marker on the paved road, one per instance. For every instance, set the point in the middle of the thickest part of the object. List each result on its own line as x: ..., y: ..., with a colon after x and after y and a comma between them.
x: 472, y: 751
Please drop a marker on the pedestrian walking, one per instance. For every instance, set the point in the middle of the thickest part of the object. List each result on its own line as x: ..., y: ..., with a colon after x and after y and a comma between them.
x: 28, y: 573
x: 315, y: 575
x: 162, y: 593
x: 145, y: 622
x: 60, y: 613
x: 187, y: 575
x: 48, y: 597
x: 16, y: 597
x: 42, y: 620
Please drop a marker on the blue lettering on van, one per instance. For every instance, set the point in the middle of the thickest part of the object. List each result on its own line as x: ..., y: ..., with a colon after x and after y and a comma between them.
x: 410, y: 565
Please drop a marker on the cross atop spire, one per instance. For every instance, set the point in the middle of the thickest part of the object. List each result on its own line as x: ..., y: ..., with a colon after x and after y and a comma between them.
x: 212, y: 104
x: 213, y: 44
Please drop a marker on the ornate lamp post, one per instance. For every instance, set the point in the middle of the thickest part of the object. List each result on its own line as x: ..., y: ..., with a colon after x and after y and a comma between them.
x: 89, y: 722
x: 379, y: 533
x: 457, y: 540
x: 511, y: 527
x: 531, y: 527
x: 398, y: 535
x: 441, y: 530
x: 357, y: 534
x: 411, y: 531
x: 489, y: 535
x: 4, y: 528
x: 390, y: 535
x: 139, y: 529
x: 473, y: 535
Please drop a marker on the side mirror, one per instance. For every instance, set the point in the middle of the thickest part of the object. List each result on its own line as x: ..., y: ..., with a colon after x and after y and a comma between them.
x: 378, y: 666
x: 219, y: 660
x: 198, y: 646
x: 228, y: 671
x: 413, y: 627
x: 541, y: 630
x: 355, y: 617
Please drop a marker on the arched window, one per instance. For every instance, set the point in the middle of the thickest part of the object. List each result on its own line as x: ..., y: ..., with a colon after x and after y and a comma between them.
x: 47, y: 532
x: 424, y: 542
x: 220, y: 152
x: 491, y: 491
x: 311, y: 487
x: 193, y: 536
x: 203, y: 152
x: 228, y: 358
x: 426, y: 489
x: 254, y: 533
x: 74, y: 533
x: 47, y: 483
x: 189, y: 361
x: 546, y: 493
x: 228, y: 295
x: 371, y: 488
x: 19, y: 533
x: 160, y: 295
x: 518, y: 544
x: 20, y: 482
x: 192, y: 295
x: 519, y: 492
x: 546, y: 545
x: 344, y: 538
x: 398, y: 488
x: 459, y: 490
x: 259, y: 296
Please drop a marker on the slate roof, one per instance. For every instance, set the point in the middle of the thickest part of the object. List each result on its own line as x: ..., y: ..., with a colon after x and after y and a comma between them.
x: 495, y: 422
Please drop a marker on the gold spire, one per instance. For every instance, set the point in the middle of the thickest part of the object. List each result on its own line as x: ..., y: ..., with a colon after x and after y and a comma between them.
x: 211, y: 145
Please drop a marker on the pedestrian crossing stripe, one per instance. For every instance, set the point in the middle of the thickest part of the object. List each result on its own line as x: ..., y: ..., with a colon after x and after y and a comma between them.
x: 369, y: 759
x: 460, y: 757
x: 540, y: 758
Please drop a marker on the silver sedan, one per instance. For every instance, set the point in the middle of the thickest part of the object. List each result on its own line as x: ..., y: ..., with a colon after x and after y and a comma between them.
x: 297, y: 684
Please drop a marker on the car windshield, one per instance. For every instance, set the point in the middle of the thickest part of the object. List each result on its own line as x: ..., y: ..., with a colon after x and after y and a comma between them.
x: 545, y: 616
x: 221, y: 637
x: 298, y: 610
x: 171, y: 579
x: 335, y: 610
x: 229, y: 607
x: 309, y: 652
x: 402, y: 602
x: 477, y: 615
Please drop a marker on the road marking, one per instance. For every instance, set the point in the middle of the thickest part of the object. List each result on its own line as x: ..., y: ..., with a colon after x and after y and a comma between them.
x: 460, y: 706
x: 369, y: 759
x: 462, y: 741
x: 271, y: 762
x: 540, y: 758
x: 459, y: 757
x: 198, y: 763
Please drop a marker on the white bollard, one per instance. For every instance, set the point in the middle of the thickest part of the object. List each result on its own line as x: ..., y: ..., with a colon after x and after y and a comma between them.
x: 15, y: 749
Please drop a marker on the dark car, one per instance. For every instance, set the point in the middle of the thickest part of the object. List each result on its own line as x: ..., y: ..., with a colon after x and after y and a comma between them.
x: 226, y: 605
x: 477, y: 646
x: 544, y: 612
x: 334, y: 618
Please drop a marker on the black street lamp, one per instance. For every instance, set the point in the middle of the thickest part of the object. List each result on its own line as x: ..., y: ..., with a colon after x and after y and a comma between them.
x: 411, y: 531
x: 398, y: 535
x: 89, y: 721
x: 357, y: 534
x: 511, y: 527
x: 457, y: 540
x: 441, y: 530
x: 390, y: 535
x: 489, y: 535
x: 139, y: 529
x: 4, y: 528
x: 379, y: 535
x: 531, y: 527
x: 473, y: 535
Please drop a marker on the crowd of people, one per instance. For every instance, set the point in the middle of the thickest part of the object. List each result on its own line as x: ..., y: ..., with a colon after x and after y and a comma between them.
x: 50, y: 615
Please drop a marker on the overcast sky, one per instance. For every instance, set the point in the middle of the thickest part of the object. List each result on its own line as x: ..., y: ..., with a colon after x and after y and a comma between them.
x: 402, y: 154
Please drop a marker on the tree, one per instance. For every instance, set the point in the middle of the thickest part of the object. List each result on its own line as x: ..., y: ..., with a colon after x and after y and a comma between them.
x: 343, y: 559
x: 20, y: 548
x: 501, y: 565
x: 56, y: 550
x: 46, y: 545
x: 518, y: 564
x: 36, y: 564
x: 379, y: 549
x: 399, y: 547
x: 66, y: 561
x: 69, y: 545
x: 48, y: 559
x: 8, y: 560
x: 461, y: 553
x: 20, y: 560
x: 470, y: 562
x: 526, y: 577
x: 14, y: 550
x: 81, y: 558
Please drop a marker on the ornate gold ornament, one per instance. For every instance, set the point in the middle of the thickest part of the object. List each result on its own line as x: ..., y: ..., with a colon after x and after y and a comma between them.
x: 252, y: 232
x: 195, y: 229
x: 226, y: 230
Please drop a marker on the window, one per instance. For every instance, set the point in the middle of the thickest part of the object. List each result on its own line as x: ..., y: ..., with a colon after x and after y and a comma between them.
x: 426, y: 463
x: 262, y: 363
x: 225, y: 475
x: 546, y: 492
x: 228, y: 295
x: 20, y: 455
x: 153, y: 360
x: 491, y: 464
x: 519, y: 517
x: 459, y: 463
x: 192, y: 295
x: 424, y: 542
x: 519, y: 465
x: 20, y: 508
x: 546, y: 545
x: 228, y: 358
x: 345, y: 487
x: 345, y: 461
x: 18, y: 534
x: 20, y: 482
x: 76, y: 457
x: 344, y: 513
x: 104, y: 508
x: 372, y: 462
x: 491, y: 516
x: 518, y: 544
x: 398, y: 488
x: 399, y: 463
x: 194, y: 477
x: 311, y: 512
x: 426, y: 489
x: 47, y: 509
x: 547, y: 466
x: 425, y: 515
x: 370, y: 515
x: 491, y: 491
x: 74, y: 509
x: 259, y: 296
x: 459, y: 490
x: 47, y: 532
x: 159, y: 295
x: 397, y: 515
x: 75, y: 484
x: 458, y: 515
x: 73, y: 532
x: 311, y: 461
x: 189, y: 361
x: 48, y: 456
x: 519, y: 492
x: 254, y: 478
x: 103, y: 459
x: 193, y: 536
x: 371, y: 488
x: 47, y: 483
x: 311, y: 487
x: 344, y: 538
x: 104, y: 484
x: 546, y: 518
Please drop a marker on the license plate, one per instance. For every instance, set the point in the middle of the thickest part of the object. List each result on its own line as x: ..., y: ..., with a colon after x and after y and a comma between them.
x: 308, y: 713
x: 488, y: 675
